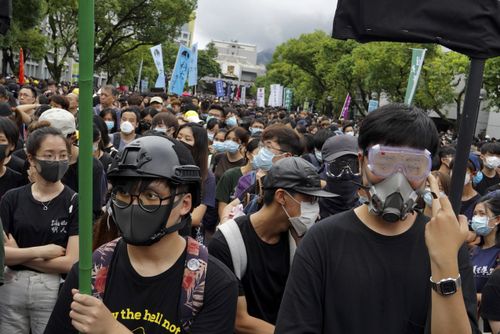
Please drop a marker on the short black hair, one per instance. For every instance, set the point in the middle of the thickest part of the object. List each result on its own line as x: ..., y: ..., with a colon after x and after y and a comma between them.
x: 220, y: 108
x: 288, y: 140
x: 397, y: 124
x: 446, y: 151
x: 33, y: 90
x: 10, y: 130
x: 320, y: 137
x: 491, y: 148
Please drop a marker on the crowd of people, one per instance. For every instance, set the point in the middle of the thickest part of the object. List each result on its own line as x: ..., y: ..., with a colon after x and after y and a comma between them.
x: 216, y: 217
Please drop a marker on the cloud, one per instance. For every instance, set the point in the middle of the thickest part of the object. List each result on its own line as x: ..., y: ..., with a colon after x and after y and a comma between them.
x: 266, y: 23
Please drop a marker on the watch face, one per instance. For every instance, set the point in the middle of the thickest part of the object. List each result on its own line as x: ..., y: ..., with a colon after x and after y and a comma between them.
x: 448, y: 287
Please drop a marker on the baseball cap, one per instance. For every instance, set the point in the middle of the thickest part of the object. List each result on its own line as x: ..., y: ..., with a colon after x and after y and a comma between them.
x: 156, y: 99
x: 338, y: 146
x: 296, y: 174
x: 475, y: 161
x: 60, y: 119
x: 192, y: 116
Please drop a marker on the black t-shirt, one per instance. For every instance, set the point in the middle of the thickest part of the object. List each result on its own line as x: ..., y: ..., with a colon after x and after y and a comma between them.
x: 486, y: 182
x: 106, y: 161
x: 16, y: 163
x: 346, y: 278
x: 221, y: 164
x: 99, y: 185
x: 467, y: 207
x: 25, y: 218
x: 10, y: 180
x: 151, y: 303
x: 490, y: 300
x: 267, y: 269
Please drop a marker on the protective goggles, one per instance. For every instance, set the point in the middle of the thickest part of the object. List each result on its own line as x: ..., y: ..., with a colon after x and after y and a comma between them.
x: 343, y: 166
x: 383, y: 161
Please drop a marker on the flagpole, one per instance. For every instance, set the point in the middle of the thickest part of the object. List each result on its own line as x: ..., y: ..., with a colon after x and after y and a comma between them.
x: 139, y: 76
x: 85, y: 117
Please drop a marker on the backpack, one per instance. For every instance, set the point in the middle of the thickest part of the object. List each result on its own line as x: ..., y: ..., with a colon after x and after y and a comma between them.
x: 193, y: 281
x: 234, y: 239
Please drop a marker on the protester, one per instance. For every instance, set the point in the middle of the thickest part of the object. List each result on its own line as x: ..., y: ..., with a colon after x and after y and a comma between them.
x: 383, y: 266
x: 342, y: 174
x: 485, y: 257
x: 490, y: 156
x: 151, y: 268
x: 195, y: 138
x: 165, y: 123
x: 446, y: 156
x: 229, y: 182
x: 291, y: 191
x: 490, y: 307
x: 235, y: 141
x: 109, y: 116
x: 128, y: 124
x: 469, y: 195
x: 38, y: 250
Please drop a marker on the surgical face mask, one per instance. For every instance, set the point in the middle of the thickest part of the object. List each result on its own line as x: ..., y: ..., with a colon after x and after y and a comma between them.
x: 219, y: 146
x: 231, y: 146
x: 51, y: 171
x: 141, y: 228
x: 309, y: 213
x: 318, y: 155
x: 263, y: 160
x: 126, y: 127
x: 393, y: 198
x: 480, y: 225
x: 492, y: 162
x: 428, y: 197
x: 162, y: 130
x: 231, y: 122
x: 467, y: 179
x: 477, y: 178
x: 350, y: 133
x: 210, y: 136
x: 254, y: 131
x: 110, y: 125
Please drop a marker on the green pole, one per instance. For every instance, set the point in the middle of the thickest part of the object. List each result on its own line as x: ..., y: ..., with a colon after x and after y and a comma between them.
x: 85, y: 117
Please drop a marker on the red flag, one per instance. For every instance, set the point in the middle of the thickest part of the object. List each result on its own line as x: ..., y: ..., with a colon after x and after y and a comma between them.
x: 238, y: 94
x: 21, y: 67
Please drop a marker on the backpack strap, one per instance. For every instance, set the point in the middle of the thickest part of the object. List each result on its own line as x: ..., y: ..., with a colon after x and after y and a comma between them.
x: 116, y: 140
x: 232, y: 234
x: 293, y: 247
x: 101, y: 259
x: 193, y: 282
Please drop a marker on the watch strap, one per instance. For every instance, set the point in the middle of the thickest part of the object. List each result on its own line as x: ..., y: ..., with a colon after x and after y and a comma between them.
x: 437, y: 286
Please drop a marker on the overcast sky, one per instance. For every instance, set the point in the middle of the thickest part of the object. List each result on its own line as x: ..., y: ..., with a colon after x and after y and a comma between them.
x: 266, y: 23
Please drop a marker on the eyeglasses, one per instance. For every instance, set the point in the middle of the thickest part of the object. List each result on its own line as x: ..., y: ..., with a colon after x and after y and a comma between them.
x: 149, y: 200
x: 270, y: 148
x: 343, y: 166
x: 384, y: 161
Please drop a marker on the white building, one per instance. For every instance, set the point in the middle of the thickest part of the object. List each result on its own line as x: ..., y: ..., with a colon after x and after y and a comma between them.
x: 238, y: 61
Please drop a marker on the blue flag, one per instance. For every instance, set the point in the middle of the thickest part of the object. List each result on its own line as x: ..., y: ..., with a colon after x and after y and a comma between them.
x: 180, y: 72
x: 219, y: 88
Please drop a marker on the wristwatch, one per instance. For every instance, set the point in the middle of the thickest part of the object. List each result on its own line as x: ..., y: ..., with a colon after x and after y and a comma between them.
x: 447, y: 286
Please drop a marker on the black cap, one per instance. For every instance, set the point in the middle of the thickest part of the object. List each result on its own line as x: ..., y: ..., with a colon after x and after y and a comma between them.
x: 296, y: 174
x: 337, y: 146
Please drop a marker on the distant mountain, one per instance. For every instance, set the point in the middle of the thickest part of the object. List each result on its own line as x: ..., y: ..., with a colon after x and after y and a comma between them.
x: 265, y: 56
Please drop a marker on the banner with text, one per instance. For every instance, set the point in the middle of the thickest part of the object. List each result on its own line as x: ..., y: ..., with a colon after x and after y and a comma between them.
x: 417, y: 61
x: 219, y: 88
x: 157, y: 54
x: 261, y: 97
x: 180, y: 72
x: 193, y: 66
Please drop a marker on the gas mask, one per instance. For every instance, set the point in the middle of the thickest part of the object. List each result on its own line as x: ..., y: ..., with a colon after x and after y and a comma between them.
x: 393, y: 198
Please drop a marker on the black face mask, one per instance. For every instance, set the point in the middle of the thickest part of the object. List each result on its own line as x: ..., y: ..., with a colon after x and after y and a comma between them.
x: 141, y: 228
x: 52, y: 171
x: 347, y: 199
x: 3, y: 151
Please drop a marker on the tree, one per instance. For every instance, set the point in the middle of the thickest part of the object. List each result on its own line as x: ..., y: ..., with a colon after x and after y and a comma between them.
x: 26, y: 15
x: 207, y: 66
x: 62, y: 31
x: 122, y: 26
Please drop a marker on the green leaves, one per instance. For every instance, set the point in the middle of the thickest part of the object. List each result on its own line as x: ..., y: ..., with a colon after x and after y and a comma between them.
x: 316, y: 66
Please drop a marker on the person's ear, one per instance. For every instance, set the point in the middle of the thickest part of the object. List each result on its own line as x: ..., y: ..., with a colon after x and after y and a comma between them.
x: 186, y: 204
x: 279, y: 196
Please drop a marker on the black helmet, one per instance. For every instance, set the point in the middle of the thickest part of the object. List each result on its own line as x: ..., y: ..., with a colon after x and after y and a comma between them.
x: 158, y: 157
